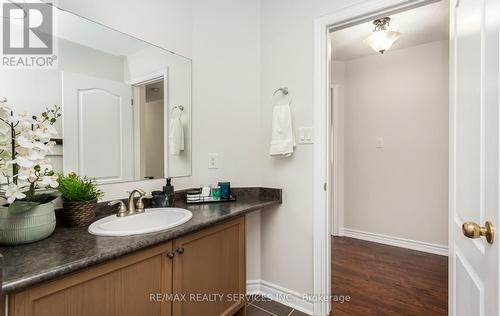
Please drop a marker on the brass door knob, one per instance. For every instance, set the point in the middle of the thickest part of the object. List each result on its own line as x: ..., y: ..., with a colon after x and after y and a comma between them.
x: 473, y: 230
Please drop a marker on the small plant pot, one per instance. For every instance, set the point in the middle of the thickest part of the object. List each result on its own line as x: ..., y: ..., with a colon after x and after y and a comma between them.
x: 78, y: 214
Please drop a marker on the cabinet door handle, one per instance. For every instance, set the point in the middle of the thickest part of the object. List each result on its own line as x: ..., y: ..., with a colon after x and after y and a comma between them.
x: 170, y: 255
x: 180, y: 250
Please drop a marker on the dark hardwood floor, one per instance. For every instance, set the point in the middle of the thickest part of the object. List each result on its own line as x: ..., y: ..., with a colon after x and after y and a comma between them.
x: 384, y: 280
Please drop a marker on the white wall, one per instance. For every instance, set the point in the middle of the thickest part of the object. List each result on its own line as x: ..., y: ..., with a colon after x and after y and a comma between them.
x: 400, y: 190
x: 226, y: 77
x: 287, y: 60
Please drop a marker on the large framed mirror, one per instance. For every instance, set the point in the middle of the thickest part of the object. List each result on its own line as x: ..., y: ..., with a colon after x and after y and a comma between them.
x: 126, y: 104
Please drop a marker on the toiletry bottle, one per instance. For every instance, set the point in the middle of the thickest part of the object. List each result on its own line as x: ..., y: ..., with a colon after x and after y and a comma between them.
x: 170, y: 194
x: 225, y: 190
x: 159, y: 199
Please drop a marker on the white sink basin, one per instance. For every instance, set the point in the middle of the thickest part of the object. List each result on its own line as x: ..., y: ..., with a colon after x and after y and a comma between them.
x: 152, y: 220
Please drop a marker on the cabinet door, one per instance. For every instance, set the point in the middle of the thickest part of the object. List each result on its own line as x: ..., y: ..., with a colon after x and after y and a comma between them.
x: 123, y: 287
x: 209, y: 269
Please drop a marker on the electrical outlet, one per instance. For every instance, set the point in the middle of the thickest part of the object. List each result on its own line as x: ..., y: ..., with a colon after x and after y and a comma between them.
x: 213, y: 161
x: 380, y: 142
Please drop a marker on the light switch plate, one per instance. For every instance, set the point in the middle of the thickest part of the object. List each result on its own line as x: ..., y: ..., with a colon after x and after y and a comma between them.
x: 306, y: 135
x: 213, y: 161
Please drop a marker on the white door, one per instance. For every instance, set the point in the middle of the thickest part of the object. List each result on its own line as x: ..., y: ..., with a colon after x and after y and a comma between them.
x: 474, y: 156
x: 98, y: 128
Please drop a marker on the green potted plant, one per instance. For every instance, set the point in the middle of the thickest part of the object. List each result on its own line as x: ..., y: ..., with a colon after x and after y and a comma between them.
x: 79, y: 197
x: 26, y: 175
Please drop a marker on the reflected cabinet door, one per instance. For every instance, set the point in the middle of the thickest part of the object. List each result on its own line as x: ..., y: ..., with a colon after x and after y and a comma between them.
x: 209, y: 269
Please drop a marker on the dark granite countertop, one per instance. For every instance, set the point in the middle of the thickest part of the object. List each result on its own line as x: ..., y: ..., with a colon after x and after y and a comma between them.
x: 71, y: 249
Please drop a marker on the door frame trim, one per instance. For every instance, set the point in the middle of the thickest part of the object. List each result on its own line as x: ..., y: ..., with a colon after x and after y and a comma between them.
x: 323, y: 193
x: 135, y: 83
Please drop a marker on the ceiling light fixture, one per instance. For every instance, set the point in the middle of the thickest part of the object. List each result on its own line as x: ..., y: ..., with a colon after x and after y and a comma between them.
x: 381, y: 39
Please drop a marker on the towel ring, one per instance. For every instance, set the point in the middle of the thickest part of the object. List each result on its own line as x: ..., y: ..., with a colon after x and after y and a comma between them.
x: 284, y: 92
x: 177, y: 107
x: 180, y: 107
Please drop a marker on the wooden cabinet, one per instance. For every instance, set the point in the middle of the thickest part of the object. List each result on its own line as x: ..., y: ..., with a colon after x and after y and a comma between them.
x: 121, y: 287
x: 207, y: 269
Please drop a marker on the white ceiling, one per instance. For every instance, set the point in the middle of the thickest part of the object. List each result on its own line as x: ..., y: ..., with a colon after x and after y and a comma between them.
x: 417, y: 26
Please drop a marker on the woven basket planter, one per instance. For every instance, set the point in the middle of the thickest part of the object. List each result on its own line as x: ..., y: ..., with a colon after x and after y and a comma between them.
x: 78, y: 214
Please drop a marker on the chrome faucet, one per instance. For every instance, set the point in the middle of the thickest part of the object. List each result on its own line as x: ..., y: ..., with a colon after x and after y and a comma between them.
x: 139, y: 208
x: 132, y: 208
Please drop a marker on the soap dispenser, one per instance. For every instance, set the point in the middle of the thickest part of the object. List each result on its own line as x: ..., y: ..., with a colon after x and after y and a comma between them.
x: 168, y: 190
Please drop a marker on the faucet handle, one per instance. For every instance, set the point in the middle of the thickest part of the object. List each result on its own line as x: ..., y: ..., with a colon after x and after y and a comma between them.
x: 122, y: 210
x: 139, y: 206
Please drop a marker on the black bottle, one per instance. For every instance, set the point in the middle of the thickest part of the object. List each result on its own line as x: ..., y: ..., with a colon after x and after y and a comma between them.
x: 159, y: 199
x: 168, y: 190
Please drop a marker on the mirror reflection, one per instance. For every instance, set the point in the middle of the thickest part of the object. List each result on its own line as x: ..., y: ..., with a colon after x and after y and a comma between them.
x: 126, y: 104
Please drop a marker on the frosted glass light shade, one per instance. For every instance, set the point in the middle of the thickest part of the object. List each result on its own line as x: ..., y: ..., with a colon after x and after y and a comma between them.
x: 382, y: 40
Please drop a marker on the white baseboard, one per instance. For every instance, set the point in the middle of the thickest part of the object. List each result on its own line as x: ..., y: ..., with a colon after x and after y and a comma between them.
x: 396, y: 241
x: 280, y: 294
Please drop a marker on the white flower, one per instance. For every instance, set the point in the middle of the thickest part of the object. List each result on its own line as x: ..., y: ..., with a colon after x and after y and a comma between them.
x: 22, y: 151
x: 23, y: 119
x: 24, y: 142
x: 34, y: 155
x: 13, y: 192
x: 23, y: 162
x: 45, y: 132
x: 26, y: 174
x: 44, y: 147
x: 49, y: 181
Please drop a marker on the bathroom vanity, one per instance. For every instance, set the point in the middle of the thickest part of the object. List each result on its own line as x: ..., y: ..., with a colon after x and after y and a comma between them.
x: 197, y: 268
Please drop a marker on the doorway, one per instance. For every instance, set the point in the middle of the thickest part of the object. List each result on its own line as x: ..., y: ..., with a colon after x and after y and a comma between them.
x: 390, y: 91
x: 149, y: 121
x: 473, y: 146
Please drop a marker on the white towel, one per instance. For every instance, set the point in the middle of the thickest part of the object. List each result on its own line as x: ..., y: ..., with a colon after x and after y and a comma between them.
x: 282, y: 138
x: 176, y: 136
